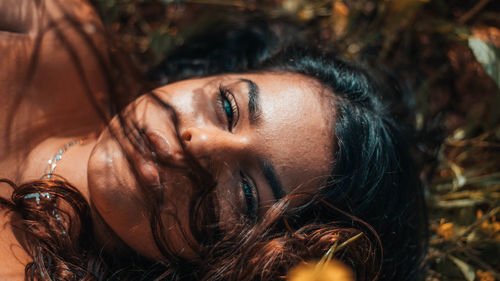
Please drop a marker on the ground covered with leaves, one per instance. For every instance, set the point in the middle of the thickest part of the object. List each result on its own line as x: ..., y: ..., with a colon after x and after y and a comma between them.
x: 447, y: 53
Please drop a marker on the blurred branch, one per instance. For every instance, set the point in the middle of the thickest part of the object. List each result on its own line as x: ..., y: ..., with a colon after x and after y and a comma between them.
x: 472, y: 12
x: 483, y: 264
x: 478, y: 222
x: 237, y: 4
x: 482, y: 144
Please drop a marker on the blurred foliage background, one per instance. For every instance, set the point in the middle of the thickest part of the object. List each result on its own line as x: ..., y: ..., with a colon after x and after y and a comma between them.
x: 447, y: 53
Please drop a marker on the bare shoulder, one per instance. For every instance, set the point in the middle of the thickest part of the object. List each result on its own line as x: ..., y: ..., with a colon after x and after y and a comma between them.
x: 45, y: 41
x: 54, y: 57
x: 14, y: 258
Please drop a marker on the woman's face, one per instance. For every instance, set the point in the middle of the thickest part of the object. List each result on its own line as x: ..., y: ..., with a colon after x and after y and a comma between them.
x: 260, y: 136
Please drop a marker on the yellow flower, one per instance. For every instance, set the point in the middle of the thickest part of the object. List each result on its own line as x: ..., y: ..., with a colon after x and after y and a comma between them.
x: 327, y: 269
x: 333, y: 271
x: 445, y: 230
x: 484, y: 275
x: 490, y: 227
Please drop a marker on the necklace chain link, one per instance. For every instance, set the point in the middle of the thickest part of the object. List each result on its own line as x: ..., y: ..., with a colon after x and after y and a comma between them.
x: 52, y: 163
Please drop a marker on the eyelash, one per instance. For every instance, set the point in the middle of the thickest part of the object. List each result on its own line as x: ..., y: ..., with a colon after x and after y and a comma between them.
x: 232, y: 117
x: 250, y: 195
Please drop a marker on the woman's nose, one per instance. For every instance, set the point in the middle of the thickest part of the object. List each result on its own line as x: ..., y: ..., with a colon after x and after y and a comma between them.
x: 212, y: 144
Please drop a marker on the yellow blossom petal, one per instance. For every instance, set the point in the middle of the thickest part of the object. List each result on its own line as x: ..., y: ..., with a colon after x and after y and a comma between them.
x: 332, y: 271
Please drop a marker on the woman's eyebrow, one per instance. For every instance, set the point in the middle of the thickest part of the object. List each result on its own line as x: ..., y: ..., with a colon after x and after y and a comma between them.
x: 272, y: 178
x: 254, y: 109
x: 254, y: 115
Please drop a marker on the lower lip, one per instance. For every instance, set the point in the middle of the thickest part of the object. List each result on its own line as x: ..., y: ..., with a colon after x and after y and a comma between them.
x: 148, y: 172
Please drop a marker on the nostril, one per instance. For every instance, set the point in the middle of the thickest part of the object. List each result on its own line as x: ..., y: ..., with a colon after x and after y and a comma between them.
x: 186, y: 136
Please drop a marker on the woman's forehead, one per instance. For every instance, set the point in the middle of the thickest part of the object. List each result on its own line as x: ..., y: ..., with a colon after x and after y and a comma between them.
x: 295, y: 131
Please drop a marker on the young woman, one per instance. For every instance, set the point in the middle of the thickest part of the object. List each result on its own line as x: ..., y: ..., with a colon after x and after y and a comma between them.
x: 236, y: 176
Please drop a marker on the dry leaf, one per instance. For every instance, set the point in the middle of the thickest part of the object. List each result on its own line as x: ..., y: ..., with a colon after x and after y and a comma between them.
x: 445, y: 230
x: 488, y: 56
x: 484, y: 275
x: 467, y: 270
x: 339, y: 18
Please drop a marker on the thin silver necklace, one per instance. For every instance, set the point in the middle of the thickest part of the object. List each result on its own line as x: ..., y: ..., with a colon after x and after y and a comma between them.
x: 52, y: 163
x: 47, y: 174
x: 49, y: 170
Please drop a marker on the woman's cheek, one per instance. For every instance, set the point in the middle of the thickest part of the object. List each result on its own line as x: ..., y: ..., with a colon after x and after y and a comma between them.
x: 114, y: 194
x: 126, y: 208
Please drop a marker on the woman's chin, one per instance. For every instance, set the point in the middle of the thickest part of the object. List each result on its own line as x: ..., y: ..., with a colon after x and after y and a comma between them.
x: 124, y: 186
x: 115, y: 194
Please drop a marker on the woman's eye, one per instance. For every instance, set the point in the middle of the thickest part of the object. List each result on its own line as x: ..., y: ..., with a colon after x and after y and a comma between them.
x: 229, y: 107
x: 228, y: 110
x: 250, y: 196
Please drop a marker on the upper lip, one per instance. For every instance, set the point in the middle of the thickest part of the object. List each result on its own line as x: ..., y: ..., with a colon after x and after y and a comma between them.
x: 165, y: 150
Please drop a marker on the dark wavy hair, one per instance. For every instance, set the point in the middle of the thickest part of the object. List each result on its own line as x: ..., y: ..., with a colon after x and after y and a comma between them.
x: 373, y: 178
x: 371, y: 190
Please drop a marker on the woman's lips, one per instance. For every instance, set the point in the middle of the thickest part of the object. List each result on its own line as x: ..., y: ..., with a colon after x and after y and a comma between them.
x: 162, y: 153
x: 166, y: 150
x: 148, y: 170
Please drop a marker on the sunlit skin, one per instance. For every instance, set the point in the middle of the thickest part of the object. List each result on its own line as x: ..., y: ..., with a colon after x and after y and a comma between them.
x: 292, y: 132
x: 43, y: 101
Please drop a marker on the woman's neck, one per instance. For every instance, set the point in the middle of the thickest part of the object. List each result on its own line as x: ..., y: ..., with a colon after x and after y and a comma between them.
x: 70, y: 164
x: 25, y: 145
